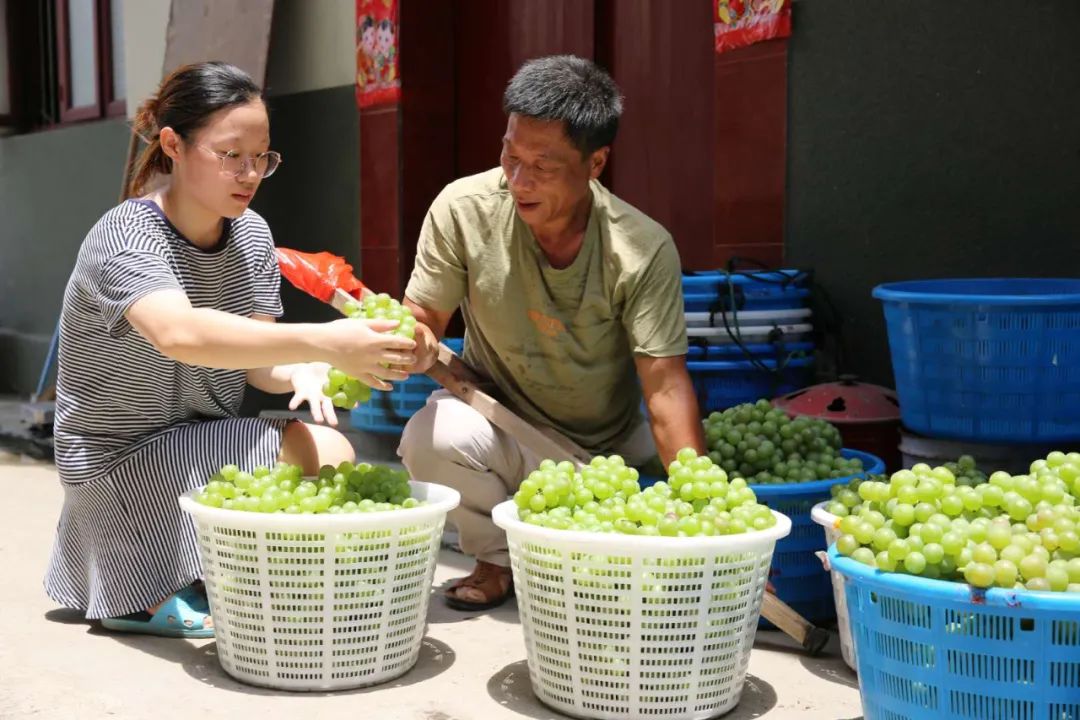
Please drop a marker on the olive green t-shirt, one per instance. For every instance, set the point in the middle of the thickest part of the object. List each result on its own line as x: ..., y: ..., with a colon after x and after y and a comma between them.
x: 559, y: 345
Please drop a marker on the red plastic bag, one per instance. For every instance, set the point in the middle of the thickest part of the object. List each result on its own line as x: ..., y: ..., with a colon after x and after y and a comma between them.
x: 318, y: 274
x: 739, y: 23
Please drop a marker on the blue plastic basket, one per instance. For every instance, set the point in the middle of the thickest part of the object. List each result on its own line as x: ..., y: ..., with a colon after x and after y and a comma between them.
x: 763, y: 351
x: 796, y: 572
x: 387, y: 412
x: 721, y: 384
x: 935, y: 650
x: 994, y: 360
x: 776, y: 290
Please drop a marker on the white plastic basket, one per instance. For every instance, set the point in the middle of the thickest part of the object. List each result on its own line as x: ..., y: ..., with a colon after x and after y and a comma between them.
x: 626, y: 626
x: 750, y: 318
x: 827, y: 520
x: 320, y: 602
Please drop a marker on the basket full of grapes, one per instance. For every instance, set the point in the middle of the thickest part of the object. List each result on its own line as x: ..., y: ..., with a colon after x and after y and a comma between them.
x: 791, y: 464
x: 847, y: 501
x: 638, y: 603
x: 964, y: 601
x: 318, y: 583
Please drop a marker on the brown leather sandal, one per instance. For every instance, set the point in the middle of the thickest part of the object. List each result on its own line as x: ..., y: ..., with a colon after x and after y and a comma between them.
x: 493, y: 582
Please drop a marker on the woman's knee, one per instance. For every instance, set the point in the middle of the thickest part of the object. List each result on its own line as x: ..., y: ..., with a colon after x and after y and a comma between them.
x: 312, y: 446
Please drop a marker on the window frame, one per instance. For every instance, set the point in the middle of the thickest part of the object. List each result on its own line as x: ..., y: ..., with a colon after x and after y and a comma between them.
x: 105, y: 103
x: 67, y: 112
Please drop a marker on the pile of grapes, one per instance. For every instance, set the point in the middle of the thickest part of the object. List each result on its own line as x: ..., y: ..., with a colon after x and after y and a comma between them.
x: 846, y: 500
x: 347, y: 488
x: 1018, y: 531
x: 762, y: 444
x: 346, y: 392
x: 697, y: 501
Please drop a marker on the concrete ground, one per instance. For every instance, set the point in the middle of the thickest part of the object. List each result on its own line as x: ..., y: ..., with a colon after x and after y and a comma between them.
x: 472, y: 666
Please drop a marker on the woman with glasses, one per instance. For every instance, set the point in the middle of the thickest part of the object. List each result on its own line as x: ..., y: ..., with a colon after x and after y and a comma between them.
x: 168, y: 316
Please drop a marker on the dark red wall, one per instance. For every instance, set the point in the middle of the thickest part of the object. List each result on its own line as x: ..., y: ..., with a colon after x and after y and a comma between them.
x: 701, y: 147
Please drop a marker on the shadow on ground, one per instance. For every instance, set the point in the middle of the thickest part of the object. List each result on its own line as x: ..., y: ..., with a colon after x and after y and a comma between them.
x: 511, y: 688
x: 199, y: 658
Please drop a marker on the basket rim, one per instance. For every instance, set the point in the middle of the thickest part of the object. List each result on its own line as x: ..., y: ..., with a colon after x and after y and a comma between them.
x: 505, y: 515
x: 717, y: 365
x: 872, y: 465
x: 923, y: 292
x: 703, y: 316
x: 791, y: 292
x: 765, y: 330
x: 823, y: 517
x: 697, y: 353
x: 955, y: 592
x: 323, y: 522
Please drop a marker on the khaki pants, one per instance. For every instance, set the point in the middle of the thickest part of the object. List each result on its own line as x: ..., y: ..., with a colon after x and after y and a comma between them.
x: 449, y: 443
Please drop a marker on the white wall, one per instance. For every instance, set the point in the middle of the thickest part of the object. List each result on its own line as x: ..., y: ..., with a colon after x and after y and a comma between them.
x: 144, y: 47
x: 312, y: 46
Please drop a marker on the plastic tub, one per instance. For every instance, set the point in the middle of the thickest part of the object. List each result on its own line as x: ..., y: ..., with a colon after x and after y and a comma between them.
x: 749, y: 318
x: 721, y: 384
x: 762, y: 351
x: 320, y: 602
x: 936, y: 650
x: 750, y: 290
x: 625, y: 626
x: 828, y: 521
x: 795, y: 332
x: 994, y: 360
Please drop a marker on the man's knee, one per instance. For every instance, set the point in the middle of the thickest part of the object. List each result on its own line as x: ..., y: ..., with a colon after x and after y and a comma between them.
x: 446, y: 431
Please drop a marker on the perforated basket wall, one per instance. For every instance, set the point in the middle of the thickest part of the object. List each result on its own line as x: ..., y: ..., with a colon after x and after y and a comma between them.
x: 797, y: 573
x: 320, y: 602
x: 990, y: 360
x: 933, y: 650
x: 828, y: 521
x: 637, y: 627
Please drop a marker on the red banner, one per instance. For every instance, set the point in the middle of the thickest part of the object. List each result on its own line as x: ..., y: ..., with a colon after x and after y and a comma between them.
x: 378, y: 81
x: 738, y: 23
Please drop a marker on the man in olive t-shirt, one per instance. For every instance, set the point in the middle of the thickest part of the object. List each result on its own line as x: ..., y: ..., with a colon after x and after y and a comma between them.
x: 572, y: 304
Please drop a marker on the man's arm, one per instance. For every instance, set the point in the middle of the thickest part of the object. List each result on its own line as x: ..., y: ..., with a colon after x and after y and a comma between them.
x: 672, y: 403
x: 430, y: 329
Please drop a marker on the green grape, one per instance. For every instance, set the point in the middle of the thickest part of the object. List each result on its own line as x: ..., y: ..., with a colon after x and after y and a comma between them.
x: 347, y: 392
x: 847, y: 544
x: 915, y: 563
x: 865, y: 556
x: 979, y: 575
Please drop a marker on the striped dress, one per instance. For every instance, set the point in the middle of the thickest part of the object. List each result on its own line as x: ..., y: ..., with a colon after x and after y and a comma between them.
x: 135, y: 429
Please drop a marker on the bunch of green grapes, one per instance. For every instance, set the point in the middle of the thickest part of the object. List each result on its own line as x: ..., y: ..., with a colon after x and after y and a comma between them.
x: 1018, y: 531
x: 697, y: 501
x: 345, y: 391
x: 845, y: 496
x: 762, y: 444
x: 347, y: 488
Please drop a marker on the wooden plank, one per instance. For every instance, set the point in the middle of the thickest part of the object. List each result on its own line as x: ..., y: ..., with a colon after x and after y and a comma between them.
x: 234, y: 31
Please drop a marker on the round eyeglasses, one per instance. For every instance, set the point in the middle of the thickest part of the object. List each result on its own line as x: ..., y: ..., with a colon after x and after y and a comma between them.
x: 264, y: 164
